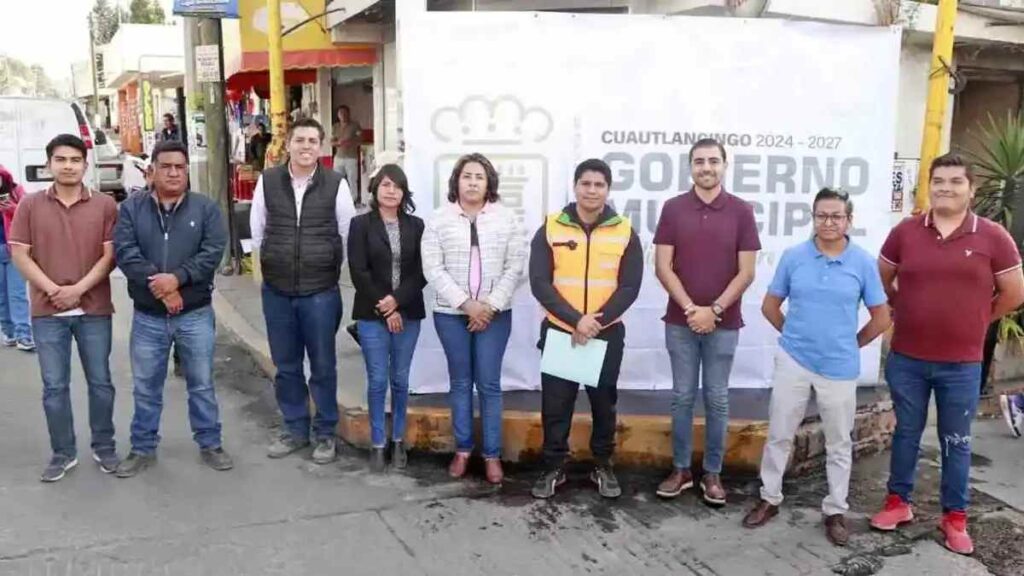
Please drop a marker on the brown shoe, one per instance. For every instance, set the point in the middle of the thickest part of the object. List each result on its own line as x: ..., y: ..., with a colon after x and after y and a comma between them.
x: 835, y: 530
x: 493, y: 471
x: 760, y: 515
x: 457, y: 469
x: 714, y: 492
x: 675, y: 484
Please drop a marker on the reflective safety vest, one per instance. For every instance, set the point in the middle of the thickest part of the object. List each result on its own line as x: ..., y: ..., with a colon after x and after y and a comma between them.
x: 586, y: 269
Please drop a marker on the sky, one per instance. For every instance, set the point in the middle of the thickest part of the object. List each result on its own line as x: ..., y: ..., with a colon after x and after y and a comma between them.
x: 52, y: 33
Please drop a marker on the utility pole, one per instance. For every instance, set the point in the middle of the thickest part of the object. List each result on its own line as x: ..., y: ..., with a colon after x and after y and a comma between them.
x: 938, y: 95
x: 196, y: 134
x: 95, y: 72
x: 217, y: 139
x: 278, y: 108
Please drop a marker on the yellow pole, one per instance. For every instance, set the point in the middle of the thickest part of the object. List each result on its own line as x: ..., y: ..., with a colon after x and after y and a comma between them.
x: 938, y: 95
x: 278, y: 107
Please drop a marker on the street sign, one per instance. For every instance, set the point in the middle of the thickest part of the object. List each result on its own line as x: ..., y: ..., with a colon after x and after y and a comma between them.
x: 206, y: 8
x: 207, y: 63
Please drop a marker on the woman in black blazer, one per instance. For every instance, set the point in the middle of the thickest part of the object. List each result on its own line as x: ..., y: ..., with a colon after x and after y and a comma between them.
x: 384, y: 259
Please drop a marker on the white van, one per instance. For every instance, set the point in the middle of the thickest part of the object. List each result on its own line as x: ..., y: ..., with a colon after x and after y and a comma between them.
x: 27, y: 125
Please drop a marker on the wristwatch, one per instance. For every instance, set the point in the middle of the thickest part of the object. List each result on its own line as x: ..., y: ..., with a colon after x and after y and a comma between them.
x: 717, y: 309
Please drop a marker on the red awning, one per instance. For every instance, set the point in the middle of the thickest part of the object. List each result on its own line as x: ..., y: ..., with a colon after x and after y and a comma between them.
x: 260, y: 81
x: 337, y: 57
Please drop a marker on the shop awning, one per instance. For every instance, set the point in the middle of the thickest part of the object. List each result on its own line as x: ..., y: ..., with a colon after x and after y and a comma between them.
x: 260, y: 81
x: 335, y: 57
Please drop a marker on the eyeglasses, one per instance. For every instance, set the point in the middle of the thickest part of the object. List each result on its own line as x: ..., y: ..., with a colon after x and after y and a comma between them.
x: 825, y: 218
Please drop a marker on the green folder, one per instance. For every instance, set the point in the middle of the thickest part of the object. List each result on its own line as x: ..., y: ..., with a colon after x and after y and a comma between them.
x: 574, y: 363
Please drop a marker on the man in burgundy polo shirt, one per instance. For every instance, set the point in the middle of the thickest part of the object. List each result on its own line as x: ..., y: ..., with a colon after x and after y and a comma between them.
x: 62, y: 242
x: 706, y: 244
x: 948, y: 274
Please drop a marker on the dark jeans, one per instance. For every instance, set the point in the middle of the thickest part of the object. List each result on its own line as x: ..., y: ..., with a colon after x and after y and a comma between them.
x: 475, y: 358
x: 53, y: 347
x: 558, y: 402
x: 955, y: 384
x: 193, y: 335
x: 298, y: 326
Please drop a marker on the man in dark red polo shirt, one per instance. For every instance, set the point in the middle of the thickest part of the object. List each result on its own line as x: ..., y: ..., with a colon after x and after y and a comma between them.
x: 948, y: 274
x: 62, y: 242
x: 706, y: 244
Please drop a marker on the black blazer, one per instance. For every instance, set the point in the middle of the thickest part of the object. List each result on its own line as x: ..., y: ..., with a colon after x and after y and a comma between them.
x: 369, y: 261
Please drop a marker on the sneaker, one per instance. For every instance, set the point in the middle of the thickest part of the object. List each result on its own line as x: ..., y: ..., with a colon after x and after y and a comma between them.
x: 678, y: 481
x: 134, y: 464
x: 894, y: 513
x: 954, y: 527
x: 217, y: 459
x: 325, y: 452
x: 378, y: 463
x: 399, y: 456
x: 835, y: 530
x: 107, y: 460
x: 7, y: 342
x: 58, y: 468
x: 607, y: 483
x: 286, y: 445
x: 1013, y: 415
x: 545, y: 486
x: 26, y: 345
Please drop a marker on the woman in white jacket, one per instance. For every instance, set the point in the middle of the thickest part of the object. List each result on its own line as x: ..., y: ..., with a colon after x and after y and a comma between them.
x: 473, y: 253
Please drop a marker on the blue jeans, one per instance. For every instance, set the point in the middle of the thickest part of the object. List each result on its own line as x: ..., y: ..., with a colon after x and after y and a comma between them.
x: 92, y: 334
x: 475, y: 358
x: 388, y: 357
x: 193, y: 334
x: 704, y: 358
x: 298, y: 326
x: 14, y: 310
x: 956, y: 387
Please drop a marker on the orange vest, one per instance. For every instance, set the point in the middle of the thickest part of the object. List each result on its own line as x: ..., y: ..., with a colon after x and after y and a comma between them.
x: 586, y: 270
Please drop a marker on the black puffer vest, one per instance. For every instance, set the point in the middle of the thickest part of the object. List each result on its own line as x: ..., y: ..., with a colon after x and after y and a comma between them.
x: 303, y: 256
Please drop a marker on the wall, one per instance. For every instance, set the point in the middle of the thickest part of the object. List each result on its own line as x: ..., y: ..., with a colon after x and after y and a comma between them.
x: 974, y: 105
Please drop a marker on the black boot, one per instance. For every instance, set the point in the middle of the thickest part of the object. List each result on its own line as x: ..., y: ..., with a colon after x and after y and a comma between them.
x: 377, y: 462
x: 399, y: 458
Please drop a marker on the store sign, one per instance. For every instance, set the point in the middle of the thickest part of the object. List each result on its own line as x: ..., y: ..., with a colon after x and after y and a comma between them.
x: 792, y: 102
x: 208, y: 63
x: 147, y: 106
x: 206, y: 8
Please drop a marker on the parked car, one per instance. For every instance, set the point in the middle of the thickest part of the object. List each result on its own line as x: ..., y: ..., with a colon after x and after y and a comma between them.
x: 27, y: 125
x: 110, y: 163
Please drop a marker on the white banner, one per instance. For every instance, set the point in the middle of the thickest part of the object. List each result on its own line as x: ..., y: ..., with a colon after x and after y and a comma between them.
x: 797, y: 105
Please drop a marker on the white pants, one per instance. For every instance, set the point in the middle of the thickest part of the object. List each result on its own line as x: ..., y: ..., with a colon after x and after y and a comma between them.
x: 837, y: 404
x: 349, y: 169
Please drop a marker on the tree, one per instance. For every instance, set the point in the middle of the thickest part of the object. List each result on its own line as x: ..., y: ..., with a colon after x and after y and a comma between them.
x: 106, y: 19
x: 146, y: 12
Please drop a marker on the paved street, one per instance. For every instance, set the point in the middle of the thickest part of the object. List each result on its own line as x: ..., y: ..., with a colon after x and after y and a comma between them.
x: 293, y: 517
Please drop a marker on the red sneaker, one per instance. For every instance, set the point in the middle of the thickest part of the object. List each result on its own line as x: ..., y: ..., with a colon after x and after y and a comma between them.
x: 954, y: 526
x: 895, y: 512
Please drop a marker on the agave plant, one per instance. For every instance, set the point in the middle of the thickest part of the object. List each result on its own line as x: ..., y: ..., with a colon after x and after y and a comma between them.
x: 999, y: 162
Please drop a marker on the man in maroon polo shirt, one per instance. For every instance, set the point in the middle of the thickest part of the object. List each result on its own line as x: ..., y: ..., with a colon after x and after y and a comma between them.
x: 705, y: 249
x: 948, y: 274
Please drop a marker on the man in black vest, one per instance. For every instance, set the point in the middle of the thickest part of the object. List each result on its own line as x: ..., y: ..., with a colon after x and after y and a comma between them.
x: 299, y: 220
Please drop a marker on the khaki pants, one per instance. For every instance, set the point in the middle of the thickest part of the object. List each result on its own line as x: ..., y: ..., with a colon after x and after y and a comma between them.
x: 349, y: 169
x: 837, y: 404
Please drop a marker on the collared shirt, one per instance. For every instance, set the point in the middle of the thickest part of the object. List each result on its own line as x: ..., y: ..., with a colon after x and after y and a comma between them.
x: 824, y: 296
x: 66, y: 242
x: 707, y: 239
x: 344, y: 210
x: 945, y: 286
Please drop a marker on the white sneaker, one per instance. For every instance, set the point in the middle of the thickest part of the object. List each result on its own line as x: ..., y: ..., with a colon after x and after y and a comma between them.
x: 7, y: 342
x: 1012, y: 414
